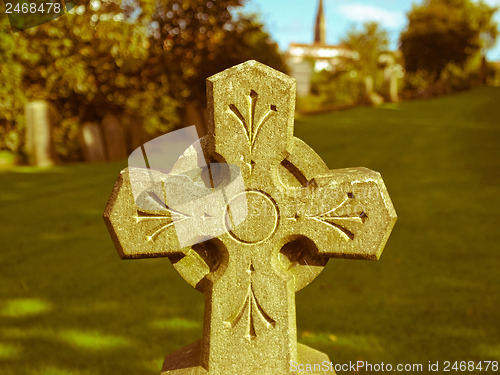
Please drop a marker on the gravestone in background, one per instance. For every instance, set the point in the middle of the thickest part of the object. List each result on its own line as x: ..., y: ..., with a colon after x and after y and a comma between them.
x: 114, y: 138
x: 387, y: 61
x: 371, y: 97
x: 135, y: 136
x: 39, y: 147
x: 391, y: 83
x: 393, y: 87
x: 92, y: 143
x: 193, y: 115
x: 303, y: 71
x: 297, y: 215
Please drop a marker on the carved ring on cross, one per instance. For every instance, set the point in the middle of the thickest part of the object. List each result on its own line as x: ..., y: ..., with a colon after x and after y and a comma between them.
x: 300, y: 214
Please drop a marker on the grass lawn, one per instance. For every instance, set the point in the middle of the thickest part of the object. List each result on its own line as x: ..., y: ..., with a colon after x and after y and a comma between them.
x: 69, y: 305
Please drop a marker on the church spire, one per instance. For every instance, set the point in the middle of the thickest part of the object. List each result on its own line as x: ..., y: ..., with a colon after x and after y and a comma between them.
x: 320, y: 29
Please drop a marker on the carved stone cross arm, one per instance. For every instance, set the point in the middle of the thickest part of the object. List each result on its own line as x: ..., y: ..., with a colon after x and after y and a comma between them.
x: 274, y: 236
x: 347, y: 214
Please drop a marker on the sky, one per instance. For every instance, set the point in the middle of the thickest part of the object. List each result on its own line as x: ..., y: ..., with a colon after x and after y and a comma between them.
x: 293, y: 20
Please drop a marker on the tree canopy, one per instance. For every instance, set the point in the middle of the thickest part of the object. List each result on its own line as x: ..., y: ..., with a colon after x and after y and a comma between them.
x: 11, y: 98
x: 344, y: 85
x: 141, y: 57
x: 441, y: 32
x: 369, y: 42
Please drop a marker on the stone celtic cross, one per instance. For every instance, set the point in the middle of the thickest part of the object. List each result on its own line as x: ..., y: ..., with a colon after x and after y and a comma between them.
x: 298, y: 214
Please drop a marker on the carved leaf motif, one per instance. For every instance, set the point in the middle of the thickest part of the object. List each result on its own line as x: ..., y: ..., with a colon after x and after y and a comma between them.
x: 250, y: 125
x: 250, y: 313
x: 340, y: 222
x: 158, y: 211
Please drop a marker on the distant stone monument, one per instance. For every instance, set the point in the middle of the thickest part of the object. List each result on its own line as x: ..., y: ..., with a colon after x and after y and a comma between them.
x: 392, y: 84
x: 195, y: 116
x: 39, y: 134
x: 371, y: 97
x: 92, y: 143
x: 299, y: 214
x: 114, y: 138
x: 135, y: 136
x: 391, y: 71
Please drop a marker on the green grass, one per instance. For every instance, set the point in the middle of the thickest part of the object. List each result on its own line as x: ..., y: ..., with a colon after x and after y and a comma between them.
x: 69, y: 305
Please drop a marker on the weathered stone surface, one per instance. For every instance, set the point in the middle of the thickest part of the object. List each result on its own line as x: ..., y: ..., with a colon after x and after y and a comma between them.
x: 114, y: 137
x: 299, y: 214
x: 39, y: 133
x: 92, y: 143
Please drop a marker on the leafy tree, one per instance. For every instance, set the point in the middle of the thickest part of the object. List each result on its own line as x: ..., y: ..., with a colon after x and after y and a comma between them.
x: 196, y: 38
x: 368, y: 42
x: 90, y: 62
x: 243, y: 40
x: 140, y: 57
x: 441, y: 32
x: 345, y: 84
x: 12, y: 98
x: 335, y: 88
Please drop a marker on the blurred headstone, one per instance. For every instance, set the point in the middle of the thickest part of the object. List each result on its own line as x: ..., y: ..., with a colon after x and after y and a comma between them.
x: 483, y: 71
x: 193, y: 115
x: 39, y: 133
x: 302, y: 70
x: 134, y: 132
x: 92, y: 143
x: 392, y: 84
x: 114, y: 137
x: 371, y: 97
x: 387, y: 61
x: 297, y: 215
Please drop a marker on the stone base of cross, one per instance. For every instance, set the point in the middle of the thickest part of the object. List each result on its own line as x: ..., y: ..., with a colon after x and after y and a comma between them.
x: 188, y: 361
x: 297, y: 214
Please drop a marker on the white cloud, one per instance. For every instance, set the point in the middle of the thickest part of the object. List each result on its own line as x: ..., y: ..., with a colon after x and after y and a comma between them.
x: 493, y: 2
x: 363, y: 13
